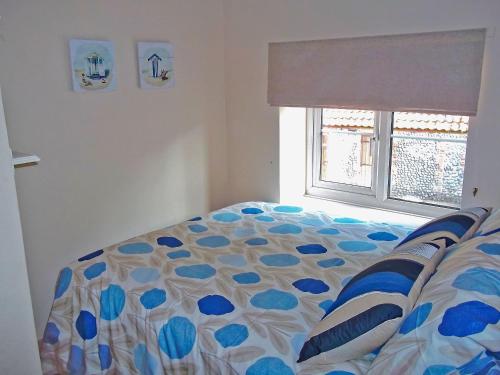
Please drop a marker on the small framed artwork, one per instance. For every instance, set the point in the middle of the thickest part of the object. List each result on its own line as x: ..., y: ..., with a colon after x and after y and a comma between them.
x: 156, y: 65
x: 92, y: 65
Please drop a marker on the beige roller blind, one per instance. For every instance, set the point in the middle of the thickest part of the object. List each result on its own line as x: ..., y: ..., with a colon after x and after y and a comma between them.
x: 430, y: 72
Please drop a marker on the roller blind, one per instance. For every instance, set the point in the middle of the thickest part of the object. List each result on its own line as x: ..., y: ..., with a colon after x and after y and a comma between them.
x: 429, y: 72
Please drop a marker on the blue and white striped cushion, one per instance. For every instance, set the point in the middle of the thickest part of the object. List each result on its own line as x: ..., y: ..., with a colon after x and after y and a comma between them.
x: 370, y: 308
x: 453, y: 228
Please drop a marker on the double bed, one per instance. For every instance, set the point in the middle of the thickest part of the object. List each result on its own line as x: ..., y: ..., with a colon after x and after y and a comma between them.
x: 239, y: 290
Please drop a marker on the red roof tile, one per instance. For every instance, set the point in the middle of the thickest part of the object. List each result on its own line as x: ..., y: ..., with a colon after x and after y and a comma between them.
x: 402, y: 120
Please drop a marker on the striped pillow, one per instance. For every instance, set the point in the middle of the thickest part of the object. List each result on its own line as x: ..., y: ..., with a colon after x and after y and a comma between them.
x: 370, y: 308
x: 453, y: 228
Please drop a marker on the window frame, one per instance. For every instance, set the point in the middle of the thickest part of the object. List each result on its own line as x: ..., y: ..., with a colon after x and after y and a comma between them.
x: 317, y: 159
x: 378, y: 195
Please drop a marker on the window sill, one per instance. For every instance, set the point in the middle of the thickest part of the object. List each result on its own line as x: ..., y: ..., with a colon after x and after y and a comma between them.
x: 363, y: 211
x: 369, y: 201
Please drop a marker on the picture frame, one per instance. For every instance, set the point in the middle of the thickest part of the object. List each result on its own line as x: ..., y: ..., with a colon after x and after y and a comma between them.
x: 156, y: 65
x: 93, y: 66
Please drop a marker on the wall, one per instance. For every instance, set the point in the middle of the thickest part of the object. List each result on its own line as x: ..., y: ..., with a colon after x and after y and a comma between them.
x: 18, y: 347
x: 117, y: 164
x: 253, y: 126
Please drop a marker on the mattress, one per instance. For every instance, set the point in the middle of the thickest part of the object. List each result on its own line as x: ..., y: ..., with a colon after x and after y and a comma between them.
x: 234, y: 292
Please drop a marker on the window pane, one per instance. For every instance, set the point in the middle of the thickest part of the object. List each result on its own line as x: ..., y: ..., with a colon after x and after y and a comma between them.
x: 346, y: 147
x: 428, y: 158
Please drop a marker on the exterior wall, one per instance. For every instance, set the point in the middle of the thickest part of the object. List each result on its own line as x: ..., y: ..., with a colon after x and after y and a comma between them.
x: 431, y: 171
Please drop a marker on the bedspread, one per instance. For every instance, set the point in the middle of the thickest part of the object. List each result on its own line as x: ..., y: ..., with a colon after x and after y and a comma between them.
x: 235, y: 292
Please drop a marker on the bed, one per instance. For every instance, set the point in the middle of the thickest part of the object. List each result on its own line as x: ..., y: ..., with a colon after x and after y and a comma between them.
x: 235, y: 292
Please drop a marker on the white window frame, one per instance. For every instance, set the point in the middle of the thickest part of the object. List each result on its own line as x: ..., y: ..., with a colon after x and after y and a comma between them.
x: 378, y: 195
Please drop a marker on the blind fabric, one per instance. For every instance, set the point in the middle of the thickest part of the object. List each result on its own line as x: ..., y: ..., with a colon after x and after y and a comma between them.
x: 436, y: 72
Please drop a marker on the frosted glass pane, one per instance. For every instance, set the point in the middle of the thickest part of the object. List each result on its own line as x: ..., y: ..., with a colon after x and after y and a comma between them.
x: 346, y: 149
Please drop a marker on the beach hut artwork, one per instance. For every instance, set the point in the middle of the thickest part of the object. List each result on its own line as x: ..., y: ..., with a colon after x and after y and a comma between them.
x: 92, y: 65
x: 156, y: 65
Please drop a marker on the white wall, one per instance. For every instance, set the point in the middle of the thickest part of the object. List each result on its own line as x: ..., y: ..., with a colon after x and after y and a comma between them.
x: 253, y: 125
x: 118, y: 164
x: 18, y: 347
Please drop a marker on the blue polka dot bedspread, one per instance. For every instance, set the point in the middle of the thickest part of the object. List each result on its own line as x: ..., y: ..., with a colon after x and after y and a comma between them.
x: 238, y: 291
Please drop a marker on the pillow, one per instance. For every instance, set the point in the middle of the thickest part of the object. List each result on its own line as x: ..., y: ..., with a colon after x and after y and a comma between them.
x: 454, y: 228
x: 454, y: 327
x: 491, y: 225
x: 372, y: 305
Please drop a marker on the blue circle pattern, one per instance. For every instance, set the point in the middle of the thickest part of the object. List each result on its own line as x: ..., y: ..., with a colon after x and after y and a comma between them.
x: 244, y: 232
x: 112, y: 302
x: 310, y: 285
x: 490, y: 248
x: 312, y: 221
x: 179, y: 254
x: 348, y: 220
x: 264, y: 218
x: 226, y: 217
x: 105, y: 358
x: 153, y: 298
x: 51, y: 333
x: 234, y: 260
x: 86, y: 325
x: 252, y: 211
x: 269, y: 366
x: 144, y: 361
x: 382, y: 236
x: 196, y: 271
x: 63, y: 282
x: 416, y: 318
x: 94, y: 270
x: 256, y: 242
x: 169, y: 242
x: 145, y: 274
x: 288, y: 209
x: 286, y: 229
x: 213, y: 241
x: 246, y: 278
x: 91, y: 255
x: 332, y: 262
x: 197, y: 228
x: 231, y: 335
x: 468, y: 318
x: 314, y: 248
x: 279, y: 260
x: 215, y: 305
x: 273, y: 299
x: 356, y: 246
x: 136, y: 248
x: 479, y: 279
x: 439, y: 370
x: 177, y: 337
x: 76, y: 361
x: 329, y: 231
x: 326, y: 305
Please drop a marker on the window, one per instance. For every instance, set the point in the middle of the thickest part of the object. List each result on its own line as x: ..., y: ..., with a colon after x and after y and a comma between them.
x: 405, y: 161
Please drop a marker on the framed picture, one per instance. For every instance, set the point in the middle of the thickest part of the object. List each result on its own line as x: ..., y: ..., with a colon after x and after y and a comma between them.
x: 92, y: 65
x: 156, y: 65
